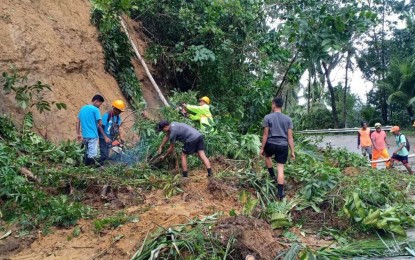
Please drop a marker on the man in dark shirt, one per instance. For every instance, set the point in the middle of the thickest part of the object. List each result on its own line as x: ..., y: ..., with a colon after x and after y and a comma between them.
x: 277, y: 136
x: 193, y: 143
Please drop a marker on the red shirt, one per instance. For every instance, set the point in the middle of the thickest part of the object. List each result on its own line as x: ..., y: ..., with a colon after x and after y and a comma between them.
x: 379, y: 140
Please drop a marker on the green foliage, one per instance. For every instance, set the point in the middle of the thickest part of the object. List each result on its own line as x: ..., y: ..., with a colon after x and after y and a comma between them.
x: 389, y: 218
x: 264, y: 187
x: 248, y: 203
x: 23, y: 200
x: 279, y: 213
x: 117, y: 49
x: 27, y: 95
x: 342, y: 158
x: 317, y: 179
x: 112, y: 222
x: 318, y: 118
x: 205, y: 46
x: 194, y: 240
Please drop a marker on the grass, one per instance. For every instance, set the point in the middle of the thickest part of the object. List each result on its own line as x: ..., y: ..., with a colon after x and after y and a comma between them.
x: 112, y: 222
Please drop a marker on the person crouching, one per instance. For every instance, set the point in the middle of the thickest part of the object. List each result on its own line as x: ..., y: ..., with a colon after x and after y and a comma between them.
x: 191, y: 138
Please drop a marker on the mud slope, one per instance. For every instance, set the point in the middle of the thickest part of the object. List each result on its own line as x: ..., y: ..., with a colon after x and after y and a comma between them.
x: 199, y: 199
x: 55, y: 42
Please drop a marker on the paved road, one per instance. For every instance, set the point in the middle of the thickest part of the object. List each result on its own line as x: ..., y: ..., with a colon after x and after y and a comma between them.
x: 350, y: 143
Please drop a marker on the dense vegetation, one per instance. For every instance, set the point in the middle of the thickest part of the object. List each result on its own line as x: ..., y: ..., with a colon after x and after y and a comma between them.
x: 254, y: 50
x: 240, y: 53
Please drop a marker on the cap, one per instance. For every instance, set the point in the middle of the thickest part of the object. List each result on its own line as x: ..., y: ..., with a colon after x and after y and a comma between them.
x: 378, y: 125
x: 162, y: 124
x: 395, y: 129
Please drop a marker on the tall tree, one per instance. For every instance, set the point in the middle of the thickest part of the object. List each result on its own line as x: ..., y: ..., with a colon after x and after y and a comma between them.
x: 321, y: 33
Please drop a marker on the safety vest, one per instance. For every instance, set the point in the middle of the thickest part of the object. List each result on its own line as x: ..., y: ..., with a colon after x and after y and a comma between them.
x: 201, y: 114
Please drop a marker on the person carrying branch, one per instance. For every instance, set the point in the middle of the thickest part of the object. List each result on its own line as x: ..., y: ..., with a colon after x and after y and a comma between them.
x: 402, y: 152
x: 363, y: 140
x: 380, y: 145
x: 276, y: 138
x: 191, y: 138
x: 89, y: 121
x: 200, y: 113
x: 111, y: 122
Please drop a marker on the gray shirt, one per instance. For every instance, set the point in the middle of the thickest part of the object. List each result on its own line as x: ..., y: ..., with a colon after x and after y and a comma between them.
x: 278, y: 124
x: 183, y: 133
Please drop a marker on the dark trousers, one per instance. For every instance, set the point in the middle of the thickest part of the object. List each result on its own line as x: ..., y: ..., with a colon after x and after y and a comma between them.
x: 104, y: 151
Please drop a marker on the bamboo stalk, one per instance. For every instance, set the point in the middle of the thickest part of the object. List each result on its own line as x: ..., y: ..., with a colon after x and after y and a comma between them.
x: 385, y: 160
x: 143, y: 63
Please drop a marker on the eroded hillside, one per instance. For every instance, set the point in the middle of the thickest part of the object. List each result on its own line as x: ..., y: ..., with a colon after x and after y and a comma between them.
x: 55, y: 42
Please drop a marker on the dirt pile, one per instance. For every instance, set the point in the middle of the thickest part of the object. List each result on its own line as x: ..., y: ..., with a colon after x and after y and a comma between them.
x: 152, y: 210
x: 253, y: 237
x: 55, y: 42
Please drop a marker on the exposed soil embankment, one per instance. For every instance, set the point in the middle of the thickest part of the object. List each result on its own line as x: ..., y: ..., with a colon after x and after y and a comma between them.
x: 55, y: 42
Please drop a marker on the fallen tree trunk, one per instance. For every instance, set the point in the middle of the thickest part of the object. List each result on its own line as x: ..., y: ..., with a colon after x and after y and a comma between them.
x: 143, y: 63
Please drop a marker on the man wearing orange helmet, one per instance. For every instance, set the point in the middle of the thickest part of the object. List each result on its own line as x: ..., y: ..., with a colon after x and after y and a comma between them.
x: 200, y: 113
x: 111, y: 122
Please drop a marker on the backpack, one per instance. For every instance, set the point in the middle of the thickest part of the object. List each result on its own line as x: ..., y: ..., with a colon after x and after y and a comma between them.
x: 408, y: 145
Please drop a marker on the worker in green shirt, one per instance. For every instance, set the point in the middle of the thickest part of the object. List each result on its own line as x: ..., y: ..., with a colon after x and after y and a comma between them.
x: 200, y: 113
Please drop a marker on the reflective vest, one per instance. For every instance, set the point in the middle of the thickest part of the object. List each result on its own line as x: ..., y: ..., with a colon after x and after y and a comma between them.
x: 201, y: 114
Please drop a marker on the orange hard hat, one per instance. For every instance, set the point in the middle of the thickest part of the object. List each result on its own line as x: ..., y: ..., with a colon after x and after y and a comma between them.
x: 119, y: 104
x: 205, y: 99
x: 395, y: 129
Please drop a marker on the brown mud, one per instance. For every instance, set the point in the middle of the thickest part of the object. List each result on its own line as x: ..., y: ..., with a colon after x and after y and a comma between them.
x: 152, y: 210
x: 55, y: 42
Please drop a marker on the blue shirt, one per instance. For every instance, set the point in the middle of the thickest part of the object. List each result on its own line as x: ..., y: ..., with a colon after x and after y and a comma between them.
x: 107, y: 123
x: 89, y: 116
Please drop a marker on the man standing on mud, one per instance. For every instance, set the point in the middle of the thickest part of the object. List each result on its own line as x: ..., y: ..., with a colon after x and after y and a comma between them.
x: 277, y: 137
x: 401, y: 153
x: 379, y: 144
x: 89, y: 120
x: 363, y: 140
x: 191, y: 138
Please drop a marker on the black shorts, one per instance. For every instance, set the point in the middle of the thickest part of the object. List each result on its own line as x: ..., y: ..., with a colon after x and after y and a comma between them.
x: 280, y: 152
x: 400, y: 158
x: 194, y: 146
